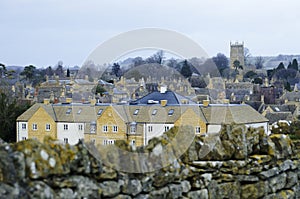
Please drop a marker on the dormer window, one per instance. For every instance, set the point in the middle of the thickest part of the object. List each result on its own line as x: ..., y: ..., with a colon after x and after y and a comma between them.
x: 171, y: 111
x: 154, y: 112
x: 136, y: 111
x: 100, y: 111
x: 69, y: 111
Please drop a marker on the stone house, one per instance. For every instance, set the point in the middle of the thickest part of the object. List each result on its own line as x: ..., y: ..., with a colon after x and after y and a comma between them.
x: 138, y: 122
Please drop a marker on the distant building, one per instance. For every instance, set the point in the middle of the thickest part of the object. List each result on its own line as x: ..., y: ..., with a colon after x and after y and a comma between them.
x: 237, y: 53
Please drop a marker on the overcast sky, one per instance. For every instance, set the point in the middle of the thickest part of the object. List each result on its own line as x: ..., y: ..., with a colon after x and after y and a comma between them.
x: 42, y: 32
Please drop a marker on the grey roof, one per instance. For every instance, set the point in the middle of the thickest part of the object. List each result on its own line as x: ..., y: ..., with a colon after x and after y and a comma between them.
x: 29, y: 112
x: 145, y: 113
x: 275, y: 117
x: 172, y: 98
x: 283, y: 108
x: 291, y: 96
x: 229, y: 113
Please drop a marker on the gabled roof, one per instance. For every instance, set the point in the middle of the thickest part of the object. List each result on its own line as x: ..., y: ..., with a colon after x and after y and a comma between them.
x: 275, y: 117
x: 283, y: 108
x: 229, y: 113
x: 31, y: 111
x: 172, y: 98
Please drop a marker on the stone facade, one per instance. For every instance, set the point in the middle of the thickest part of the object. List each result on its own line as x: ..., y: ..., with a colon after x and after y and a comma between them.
x: 237, y: 53
x: 243, y: 163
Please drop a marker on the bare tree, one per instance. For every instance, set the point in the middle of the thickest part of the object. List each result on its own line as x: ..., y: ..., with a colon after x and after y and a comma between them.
x: 259, y: 62
x: 156, y: 58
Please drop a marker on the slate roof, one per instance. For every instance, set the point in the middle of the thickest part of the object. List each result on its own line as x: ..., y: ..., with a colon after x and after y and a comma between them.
x: 291, y: 96
x: 146, y: 113
x: 275, y: 117
x: 29, y: 112
x: 172, y: 98
x: 230, y: 113
x: 283, y: 108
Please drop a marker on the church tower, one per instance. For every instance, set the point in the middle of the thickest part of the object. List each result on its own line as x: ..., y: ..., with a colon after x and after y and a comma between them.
x: 237, y: 53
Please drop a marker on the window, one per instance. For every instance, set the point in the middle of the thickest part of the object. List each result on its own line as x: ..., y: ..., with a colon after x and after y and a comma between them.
x: 150, y: 128
x: 47, y: 127
x: 115, y: 128
x: 79, y: 111
x: 23, y: 126
x: 34, y: 127
x: 154, y: 112
x: 104, y: 128
x: 198, y: 129
x: 93, y: 127
x: 171, y: 111
x: 80, y: 127
x: 66, y: 127
x: 100, y: 111
x: 66, y: 140
x: 69, y: 111
x: 136, y: 111
x: 167, y: 128
x: 93, y: 141
x: 132, y: 142
x: 108, y: 142
x: 133, y: 127
x: 24, y: 138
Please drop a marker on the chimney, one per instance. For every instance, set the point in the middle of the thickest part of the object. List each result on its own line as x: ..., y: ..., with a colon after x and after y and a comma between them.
x: 93, y: 101
x: 205, y: 103
x: 163, y: 89
x: 46, y: 101
x: 226, y: 101
x: 68, y: 100
x: 262, y: 98
x: 163, y: 102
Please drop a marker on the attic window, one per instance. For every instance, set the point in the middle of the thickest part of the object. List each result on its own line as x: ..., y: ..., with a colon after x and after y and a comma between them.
x: 79, y: 111
x: 100, y: 111
x: 154, y: 112
x: 136, y: 111
x: 171, y: 111
x: 69, y: 111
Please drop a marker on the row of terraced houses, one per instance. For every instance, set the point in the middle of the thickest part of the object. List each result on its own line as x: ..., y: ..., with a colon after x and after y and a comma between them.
x: 136, y: 122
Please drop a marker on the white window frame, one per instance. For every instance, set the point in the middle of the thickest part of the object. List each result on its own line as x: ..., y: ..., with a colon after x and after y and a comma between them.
x: 115, y: 128
x: 167, y: 128
x: 23, y: 126
x: 34, y: 126
x: 66, y: 140
x: 80, y: 127
x: 108, y: 142
x: 150, y: 128
x: 24, y: 138
x: 66, y: 127
x: 105, y: 128
x: 197, y: 129
x: 46, y: 127
x: 133, y: 129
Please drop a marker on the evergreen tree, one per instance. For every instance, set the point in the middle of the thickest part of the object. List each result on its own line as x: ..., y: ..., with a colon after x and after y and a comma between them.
x: 116, y: 70
x: 68, y: 72
x: 10, y: 110
x: 186, y: 70
x: 237, y: 65
x: 280, y: 66
x: 295, y: 64
x: 289, y: 66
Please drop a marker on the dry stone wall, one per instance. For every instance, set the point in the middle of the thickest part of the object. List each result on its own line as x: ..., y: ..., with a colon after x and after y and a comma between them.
x: 241, y: 163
